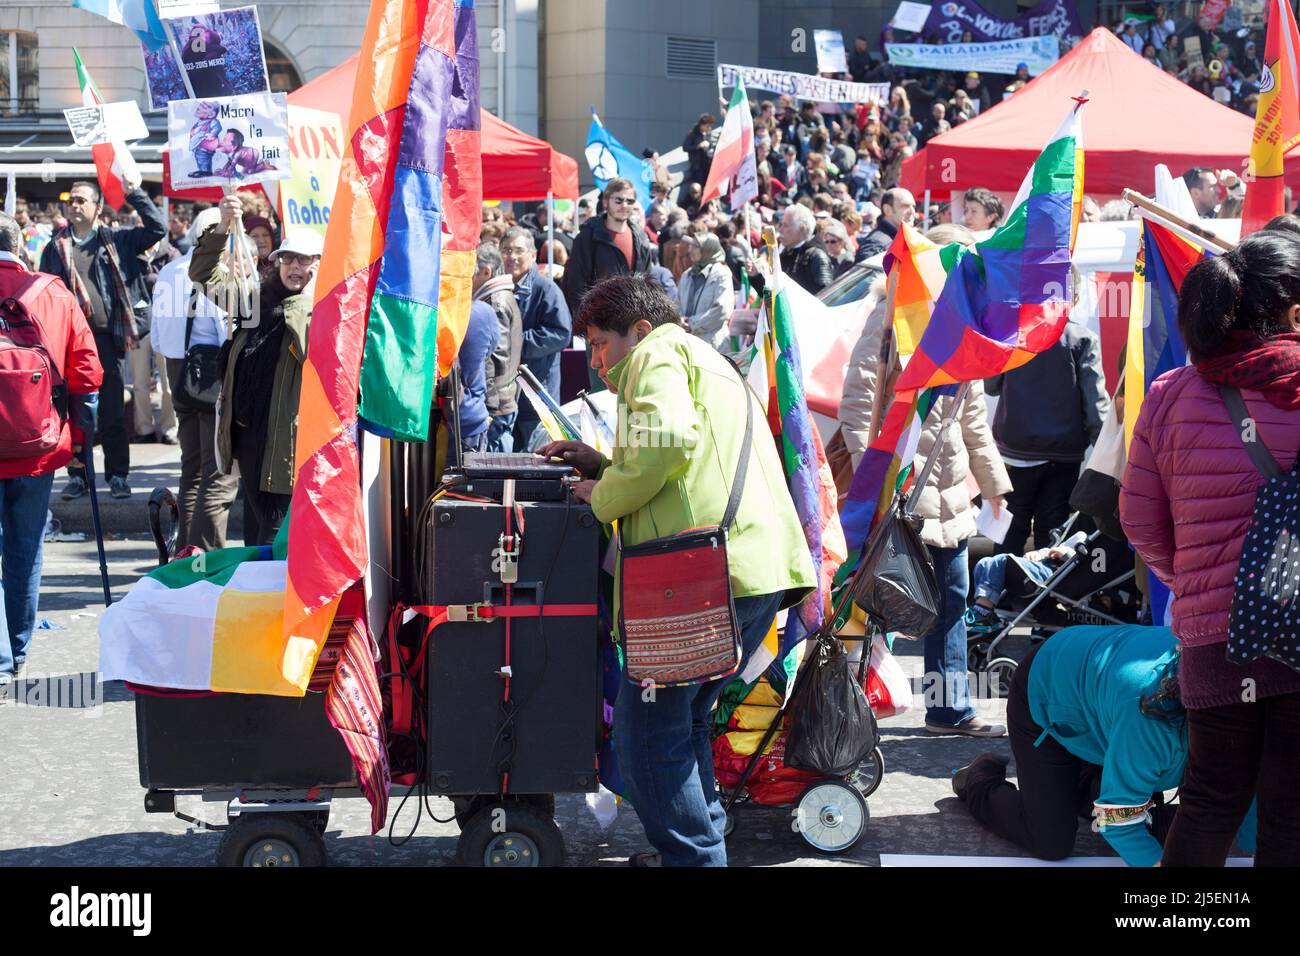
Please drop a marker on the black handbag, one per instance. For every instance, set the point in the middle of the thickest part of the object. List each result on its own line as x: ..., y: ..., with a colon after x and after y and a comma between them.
x: 201, y: 374
x: 896, y: 584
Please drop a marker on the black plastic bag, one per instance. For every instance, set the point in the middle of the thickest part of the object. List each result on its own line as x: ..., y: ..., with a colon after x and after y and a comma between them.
x: 831, y: 728
x: 896, y: 584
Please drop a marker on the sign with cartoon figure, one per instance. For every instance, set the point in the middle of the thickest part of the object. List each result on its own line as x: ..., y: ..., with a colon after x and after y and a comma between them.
x: 227, y: 141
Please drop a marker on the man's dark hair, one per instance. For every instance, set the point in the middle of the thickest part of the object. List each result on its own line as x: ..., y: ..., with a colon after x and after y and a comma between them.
x: 11, y: 235
x: 93, y: 187
x: 705, y: 118
x: 1287, y: 222
x: 488, y: 256
x: 237, y: 136
x: 987, y: 200
x: 619, y: 302
x: 1193, y: 176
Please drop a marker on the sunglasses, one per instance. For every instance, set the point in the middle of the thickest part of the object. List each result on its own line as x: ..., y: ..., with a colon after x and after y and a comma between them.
x: 623, y: 201
x: 293, y: 259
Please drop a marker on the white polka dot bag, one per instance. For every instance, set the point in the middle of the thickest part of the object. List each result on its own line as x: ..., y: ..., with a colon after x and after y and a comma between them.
x: 1265, y: 616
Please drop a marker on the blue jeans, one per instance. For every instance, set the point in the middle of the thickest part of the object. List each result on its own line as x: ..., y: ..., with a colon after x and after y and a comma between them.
x: 23, y: 504
x: 991, y: 574
x: 944, y: 647
x: 499, y: 437
x: 666, y: 755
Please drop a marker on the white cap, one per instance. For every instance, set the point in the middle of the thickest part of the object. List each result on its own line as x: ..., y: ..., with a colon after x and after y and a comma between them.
x: 302, y: 242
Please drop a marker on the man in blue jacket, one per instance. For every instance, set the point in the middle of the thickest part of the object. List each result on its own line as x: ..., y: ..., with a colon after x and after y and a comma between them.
x: 548, y: 326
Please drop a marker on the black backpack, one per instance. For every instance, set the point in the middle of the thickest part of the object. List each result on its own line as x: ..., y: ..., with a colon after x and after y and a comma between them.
x: 1265, y: 616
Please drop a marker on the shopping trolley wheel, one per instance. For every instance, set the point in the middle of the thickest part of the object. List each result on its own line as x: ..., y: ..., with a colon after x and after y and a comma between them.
x: 510, y: 834
x: 831, y: 816
x: 270, y: 840
x: 729, y: 827
x: 866, y: 776
x: 1000, y: 671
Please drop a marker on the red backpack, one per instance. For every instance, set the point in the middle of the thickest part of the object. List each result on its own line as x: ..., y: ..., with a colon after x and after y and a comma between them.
x: 33, y: 395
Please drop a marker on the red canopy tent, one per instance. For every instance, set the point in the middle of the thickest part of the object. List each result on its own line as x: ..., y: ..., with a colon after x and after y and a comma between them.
x: 1137, y: 116
x: 516, y: 166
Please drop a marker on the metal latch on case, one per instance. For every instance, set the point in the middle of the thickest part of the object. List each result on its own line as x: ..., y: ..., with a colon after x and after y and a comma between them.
x: 508, y: 554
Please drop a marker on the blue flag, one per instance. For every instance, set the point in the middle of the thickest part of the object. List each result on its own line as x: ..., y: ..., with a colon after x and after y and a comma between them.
x: 137, y: 15
x: 610, y: 159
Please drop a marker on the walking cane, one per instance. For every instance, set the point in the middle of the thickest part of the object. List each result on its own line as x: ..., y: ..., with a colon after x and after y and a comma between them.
x: 91, y: 411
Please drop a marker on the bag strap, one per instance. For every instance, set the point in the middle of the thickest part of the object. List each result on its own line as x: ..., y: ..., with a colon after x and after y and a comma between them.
x: 1259, y: 455
x: 742, y: 466
x: 191, y: 310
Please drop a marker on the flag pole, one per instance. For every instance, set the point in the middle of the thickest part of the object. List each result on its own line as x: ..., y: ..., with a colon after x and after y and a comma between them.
x: 886, y: 361
x: 1150, y: 209
x: 948, y: 416
x: 550, y: 234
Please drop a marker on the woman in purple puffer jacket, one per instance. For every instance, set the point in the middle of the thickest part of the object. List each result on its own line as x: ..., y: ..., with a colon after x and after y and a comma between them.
x: 1188, y: 498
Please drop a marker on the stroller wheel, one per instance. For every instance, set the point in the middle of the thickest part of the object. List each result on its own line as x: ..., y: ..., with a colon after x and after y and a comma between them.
x: 1000, y: 672
x: 977, y: 653
x: 866, y: 776
x: 831, y: 816
x: 730, y: 826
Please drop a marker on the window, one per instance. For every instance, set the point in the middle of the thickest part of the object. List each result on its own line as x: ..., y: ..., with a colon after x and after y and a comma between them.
x: 20, y: 85
x: 690, y: 58
x: 280, y: 69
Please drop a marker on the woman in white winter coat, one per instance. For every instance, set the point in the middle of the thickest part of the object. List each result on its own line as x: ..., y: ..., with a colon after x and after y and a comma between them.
x: 705, y: 294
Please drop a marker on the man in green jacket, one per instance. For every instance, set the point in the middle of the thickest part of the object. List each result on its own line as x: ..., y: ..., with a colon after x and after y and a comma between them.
x: 257, y: 413
x: 680, y: 430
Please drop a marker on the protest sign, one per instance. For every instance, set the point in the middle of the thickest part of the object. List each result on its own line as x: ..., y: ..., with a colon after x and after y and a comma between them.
x: 950, y: 19
x: 830, y: 51
x: 228, y: 141
x: 315, y: 153
x: 911, y: 16
x: 186, y: 8
x: 102, y: 123
x: 998, y: 56
x: 1192, y: 50
x: 221, y: 53
x: 801, y: 86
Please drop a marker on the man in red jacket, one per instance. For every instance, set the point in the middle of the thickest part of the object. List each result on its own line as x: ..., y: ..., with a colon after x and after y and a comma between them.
x: 25, y: 483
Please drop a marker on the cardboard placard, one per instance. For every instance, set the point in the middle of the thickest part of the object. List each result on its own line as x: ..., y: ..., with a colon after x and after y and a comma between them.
x: 830, y: 51
x: 228, y: 141
x: 911, y: 16
x: 92, y: 125
x: 221, y: 53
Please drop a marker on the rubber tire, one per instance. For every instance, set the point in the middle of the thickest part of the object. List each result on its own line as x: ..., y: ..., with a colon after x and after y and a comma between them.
x: 729, y: 827
x: 877, y: 758
x: 522, y: 818
x: 1003, y: 671
x: 248, y: 828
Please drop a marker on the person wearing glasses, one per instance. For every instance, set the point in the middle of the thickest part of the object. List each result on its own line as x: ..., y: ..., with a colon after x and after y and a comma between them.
x: 836, y: 240
x: 257, y: 415
x: 608, y: 245
x: 102, y: 268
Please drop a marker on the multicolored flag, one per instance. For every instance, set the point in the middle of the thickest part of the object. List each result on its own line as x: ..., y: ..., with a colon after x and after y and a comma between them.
x: 420, y: 307
x: 807, y: 472
x: 550, y: 415
x: 406, y: 83
x: 733, y: 167
x: 138, y: 16
x: 918, y: 269
x: 1154, y: 343
x: 1277, y: 119
x: 1007, y: 298
x: 113, y: 161
x: 610, y: 159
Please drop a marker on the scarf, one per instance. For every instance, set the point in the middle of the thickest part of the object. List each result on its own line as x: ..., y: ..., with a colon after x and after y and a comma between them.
x: 1271, y: 366
x: 711, y: 253
x: 121, y: 319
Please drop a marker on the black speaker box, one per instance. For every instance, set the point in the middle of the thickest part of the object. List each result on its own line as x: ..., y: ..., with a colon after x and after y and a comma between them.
x: 550, y: 745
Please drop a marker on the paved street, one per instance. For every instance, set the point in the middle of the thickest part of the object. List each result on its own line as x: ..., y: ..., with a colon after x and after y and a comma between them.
x: 72, y: 797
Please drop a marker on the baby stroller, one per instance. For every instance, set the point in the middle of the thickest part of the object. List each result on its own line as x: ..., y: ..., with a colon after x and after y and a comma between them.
x: 830, y: 813
x: 1093, y: 585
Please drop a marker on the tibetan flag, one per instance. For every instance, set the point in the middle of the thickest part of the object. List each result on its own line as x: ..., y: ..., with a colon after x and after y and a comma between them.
x: 610, y: 159
x: 420, y: 308
x: 113, y: 161
x: 1007, y: 298
x: 327, y: 539
x: 1154, y: 343
x: 1277, y: 119
x: 808, y: 476
x: 138, y: 16
x: 733, y: 169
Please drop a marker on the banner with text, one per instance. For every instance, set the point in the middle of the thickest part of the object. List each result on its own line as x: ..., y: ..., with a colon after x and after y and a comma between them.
x: 801, y: 86
x: 999, y: 56
x: 950, y: 19
x: 315, y: 155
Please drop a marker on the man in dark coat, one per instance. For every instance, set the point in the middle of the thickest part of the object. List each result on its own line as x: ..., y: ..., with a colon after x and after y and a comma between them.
x: 607, y: 245
x: 803, y: 258
x: 897, y: 206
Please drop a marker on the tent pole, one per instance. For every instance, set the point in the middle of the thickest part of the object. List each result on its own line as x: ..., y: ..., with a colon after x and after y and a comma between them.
x: 550, y: 233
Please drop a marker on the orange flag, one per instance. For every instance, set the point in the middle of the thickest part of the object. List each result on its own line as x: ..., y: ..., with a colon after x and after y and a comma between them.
x: 1277, y: 119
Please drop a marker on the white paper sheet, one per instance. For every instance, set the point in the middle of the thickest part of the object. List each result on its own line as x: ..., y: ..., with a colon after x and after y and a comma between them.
x: 993, y: 528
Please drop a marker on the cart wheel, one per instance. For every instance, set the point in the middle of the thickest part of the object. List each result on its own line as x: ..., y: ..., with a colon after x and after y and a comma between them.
x: 977, y: 654
x: 831, y: 816
x: 1000, y: 671
x: 510, y: 834
x: 271, y: 839
x: 729, y: 827
x: 866, y: 776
